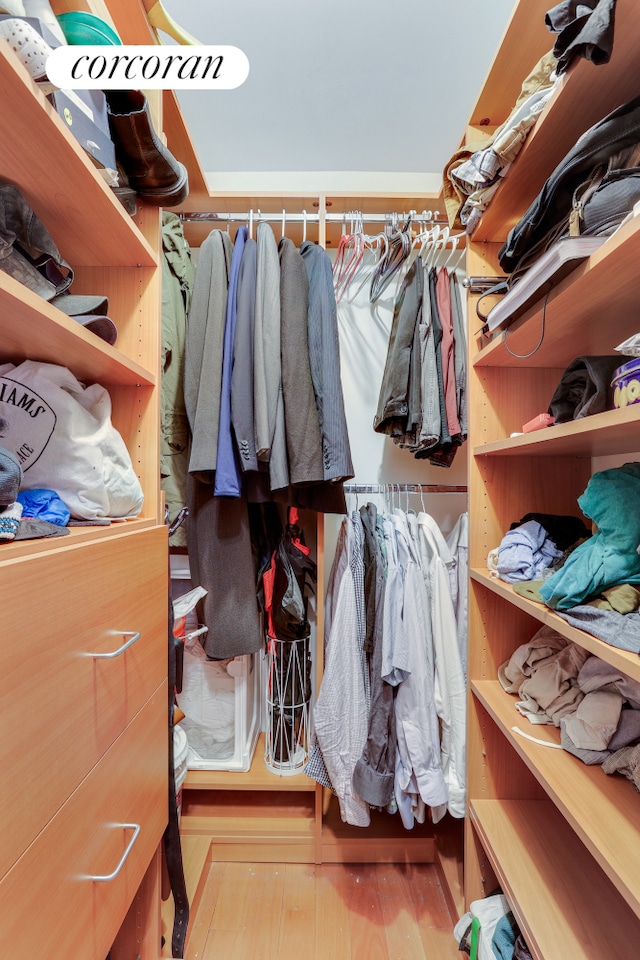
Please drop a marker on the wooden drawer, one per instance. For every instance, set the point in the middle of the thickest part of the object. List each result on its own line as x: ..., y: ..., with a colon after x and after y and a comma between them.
x: 49, y: 905
x: 63, y: 708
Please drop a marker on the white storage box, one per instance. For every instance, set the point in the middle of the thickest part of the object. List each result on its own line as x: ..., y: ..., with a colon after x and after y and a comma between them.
x: 221, y: 699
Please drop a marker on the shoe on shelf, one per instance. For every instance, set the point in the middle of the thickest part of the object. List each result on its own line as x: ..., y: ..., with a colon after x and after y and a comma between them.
x: 30, y: 48
x: 152, y: 170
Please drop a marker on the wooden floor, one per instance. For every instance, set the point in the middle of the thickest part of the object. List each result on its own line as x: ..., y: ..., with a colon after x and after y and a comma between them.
x: 330, y: 912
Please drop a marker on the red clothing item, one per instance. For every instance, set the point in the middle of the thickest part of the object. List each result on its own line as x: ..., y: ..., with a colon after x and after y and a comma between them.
x: 443, y: 297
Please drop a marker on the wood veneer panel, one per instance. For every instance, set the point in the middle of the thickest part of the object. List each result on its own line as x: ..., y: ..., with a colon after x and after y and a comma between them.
x: 39, y: 331
x: 611, y: 432
x: 564, y: 904
x: 524, y: 41
x: 629, y: 663
x: 258, y: 777
x: 48, y: 902
x: 588, y: 313
x: 73, y: 707
x: 603, y: 810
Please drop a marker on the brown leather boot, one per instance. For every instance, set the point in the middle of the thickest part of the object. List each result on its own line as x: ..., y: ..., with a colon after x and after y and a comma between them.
x: 153, y: 172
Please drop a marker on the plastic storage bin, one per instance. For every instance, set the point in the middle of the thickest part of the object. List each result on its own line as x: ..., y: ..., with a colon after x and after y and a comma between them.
x: 222, y: 706
x: 221, y: 700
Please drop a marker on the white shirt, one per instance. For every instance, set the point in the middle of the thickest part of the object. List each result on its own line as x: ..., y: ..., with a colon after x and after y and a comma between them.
x: 450, y: 688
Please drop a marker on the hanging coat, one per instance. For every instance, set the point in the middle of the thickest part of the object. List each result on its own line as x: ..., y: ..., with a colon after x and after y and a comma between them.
x: 177, y: 286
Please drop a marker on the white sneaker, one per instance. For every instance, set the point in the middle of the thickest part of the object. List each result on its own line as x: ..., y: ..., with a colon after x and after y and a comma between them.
x: 31, y: 49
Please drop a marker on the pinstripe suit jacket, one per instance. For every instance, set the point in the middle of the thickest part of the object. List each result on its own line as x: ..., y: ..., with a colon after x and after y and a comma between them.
x: 268, y: 406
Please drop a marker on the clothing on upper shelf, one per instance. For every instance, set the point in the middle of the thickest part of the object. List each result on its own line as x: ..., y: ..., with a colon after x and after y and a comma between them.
x: 609, y: 556
x: 474, y: 172
x: 390, y: 713
x: 596, y: 706
x: 585, y: 388
x: 585, y: 29
x: 525, y: 552
x: 422, y: 403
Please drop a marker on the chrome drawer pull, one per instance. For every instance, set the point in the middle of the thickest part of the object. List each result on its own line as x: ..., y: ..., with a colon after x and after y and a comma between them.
x: 125, y: 646
x: 111, y: 876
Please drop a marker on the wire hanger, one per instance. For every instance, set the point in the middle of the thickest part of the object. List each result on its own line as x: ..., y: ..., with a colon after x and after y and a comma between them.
x: 159, y: 19
x: 399, y: 248
x: 284, y: 221
x: 304, y: 225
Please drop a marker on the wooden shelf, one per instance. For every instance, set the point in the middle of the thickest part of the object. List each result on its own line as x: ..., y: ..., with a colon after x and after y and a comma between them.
x: 525, y: 40
x: 582, y: 316
x: 59, y: 181
x: 612, y: 432
x: 256, y: 778
x: 629, y: 663
x: 563, y: 903
x: 17, y: 549
x: 585, y: 95
x: 39, y: 331
x: 603, y: 810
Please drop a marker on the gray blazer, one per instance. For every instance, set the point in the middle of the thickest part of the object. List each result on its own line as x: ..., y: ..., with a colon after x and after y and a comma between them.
x: 324, y: 358
x: 268, y: 406
x: 304, y: 447
x: 203, y: 349
x: 242, y: 376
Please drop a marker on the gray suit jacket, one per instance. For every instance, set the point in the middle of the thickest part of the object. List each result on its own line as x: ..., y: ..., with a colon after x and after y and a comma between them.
x: 268, y: 407
x: 324, y: 357
x: 304, y: 448
x: 203, y: 349
x: 242, y: 376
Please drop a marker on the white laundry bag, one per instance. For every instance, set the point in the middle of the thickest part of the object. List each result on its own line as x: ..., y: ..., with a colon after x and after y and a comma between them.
x: 61, y: 432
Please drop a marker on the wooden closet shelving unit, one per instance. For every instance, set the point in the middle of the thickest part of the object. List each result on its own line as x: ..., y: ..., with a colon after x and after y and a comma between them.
x: 85, y: 740
x: 258, y: 816
x: 560, y: 838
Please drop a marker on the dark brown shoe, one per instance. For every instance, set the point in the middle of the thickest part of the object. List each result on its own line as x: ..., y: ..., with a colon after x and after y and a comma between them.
x: 153, y: 172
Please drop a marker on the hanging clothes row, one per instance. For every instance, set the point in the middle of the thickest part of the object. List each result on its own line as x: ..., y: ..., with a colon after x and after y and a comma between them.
x: 264, y: 401
x: 391, y: 710
x: 422, y: 404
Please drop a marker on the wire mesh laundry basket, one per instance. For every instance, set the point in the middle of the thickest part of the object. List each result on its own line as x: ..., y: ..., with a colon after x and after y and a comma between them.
x: 288, y: 702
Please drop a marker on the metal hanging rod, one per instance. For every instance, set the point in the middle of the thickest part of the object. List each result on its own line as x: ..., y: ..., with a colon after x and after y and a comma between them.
x: 304, y: 217
x: 404, y: 488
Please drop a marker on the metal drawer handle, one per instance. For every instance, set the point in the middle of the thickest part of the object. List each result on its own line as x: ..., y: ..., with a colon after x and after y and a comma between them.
x: 111, y: 876
x: 125, y: 646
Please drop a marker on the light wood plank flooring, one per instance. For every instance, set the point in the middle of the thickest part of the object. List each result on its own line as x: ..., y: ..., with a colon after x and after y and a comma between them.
x: 271, y: 911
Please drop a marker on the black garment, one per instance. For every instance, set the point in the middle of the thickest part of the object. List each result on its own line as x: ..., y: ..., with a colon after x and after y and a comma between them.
x: 564, y: 531
x: 221, y: 559
x: 585, y: 388
x: 616, y: 132
x: 373, y: 774
x: 443, y: 453
x: 584, y: 28
x: 393, y: 402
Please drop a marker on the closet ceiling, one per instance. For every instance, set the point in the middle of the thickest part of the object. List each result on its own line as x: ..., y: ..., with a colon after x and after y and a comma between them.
x: 340, y: 85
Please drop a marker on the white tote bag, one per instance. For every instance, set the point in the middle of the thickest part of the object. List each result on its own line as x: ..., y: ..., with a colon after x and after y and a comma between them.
x: 61, y: 432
